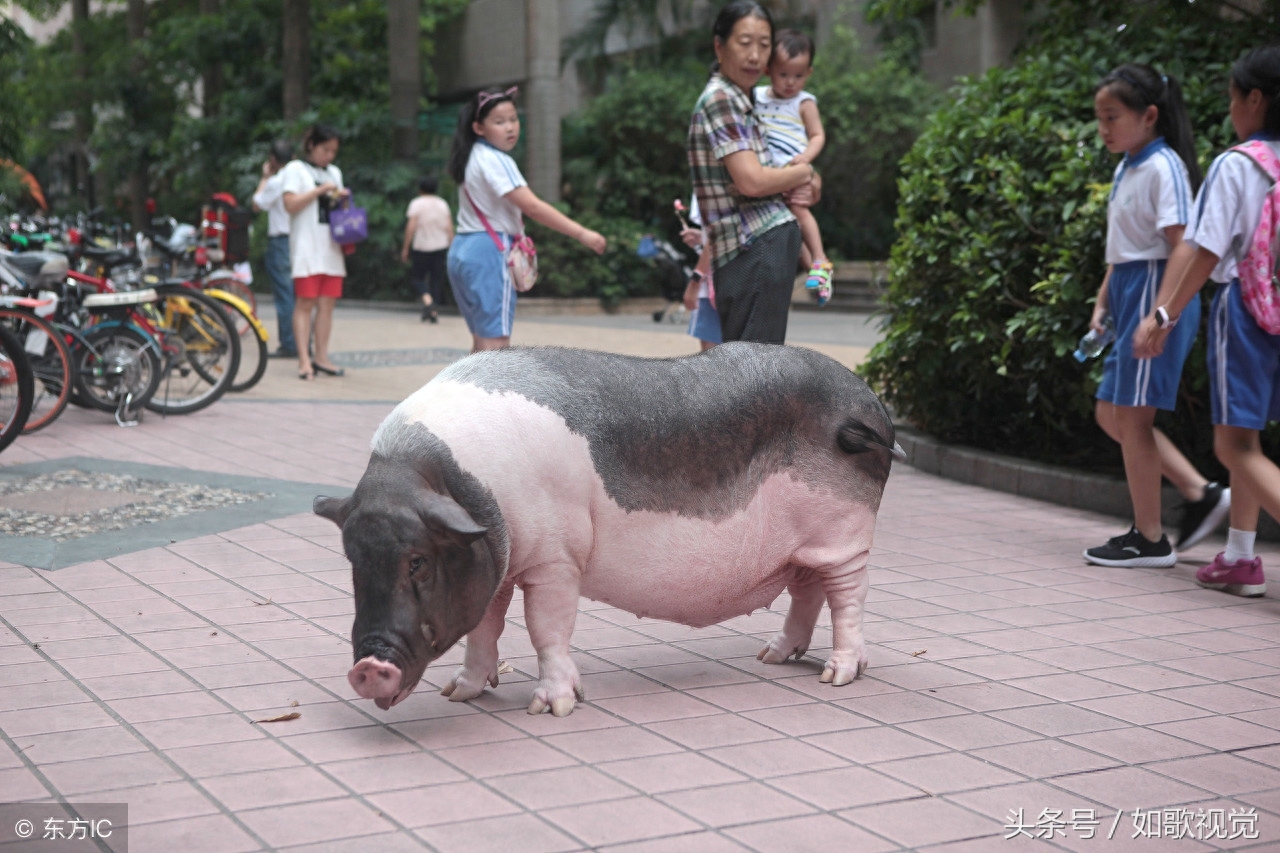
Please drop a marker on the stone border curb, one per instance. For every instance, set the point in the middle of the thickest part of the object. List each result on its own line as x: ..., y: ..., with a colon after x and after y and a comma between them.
x: 1050, y: 483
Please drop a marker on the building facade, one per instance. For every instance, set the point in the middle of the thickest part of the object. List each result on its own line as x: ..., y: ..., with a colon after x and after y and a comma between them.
x: 519, y: 42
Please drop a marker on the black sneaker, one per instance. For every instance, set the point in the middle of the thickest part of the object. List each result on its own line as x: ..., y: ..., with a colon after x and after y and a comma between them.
x: 1133, y: 550
x: 1202, y: 517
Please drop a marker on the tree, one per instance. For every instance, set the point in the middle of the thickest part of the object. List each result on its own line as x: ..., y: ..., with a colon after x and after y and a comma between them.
x: 404, y: 55
x: 136, y: 110
x: 295, y: 24
x: 212, y: 76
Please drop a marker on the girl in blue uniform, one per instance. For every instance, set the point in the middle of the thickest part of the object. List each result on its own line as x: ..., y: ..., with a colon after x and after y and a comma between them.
x: 1244, y: 360
x: 1141, y: 114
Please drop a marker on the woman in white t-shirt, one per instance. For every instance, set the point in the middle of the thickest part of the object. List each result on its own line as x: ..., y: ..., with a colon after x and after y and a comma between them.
x: 313, y: 187
x: 492, y: 190
x: 428, y: 232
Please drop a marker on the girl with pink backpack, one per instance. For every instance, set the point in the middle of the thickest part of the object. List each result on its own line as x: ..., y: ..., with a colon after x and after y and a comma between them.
x: 1244, y: 358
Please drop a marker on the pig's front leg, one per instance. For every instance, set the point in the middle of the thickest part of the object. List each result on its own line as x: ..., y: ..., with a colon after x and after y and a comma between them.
x: 480, y: 664
x: 550, y: 609
x: 806, y: 603
x: 846, y: 589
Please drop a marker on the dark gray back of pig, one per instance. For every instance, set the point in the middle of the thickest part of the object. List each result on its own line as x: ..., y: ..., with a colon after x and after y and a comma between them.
x: 696, y: 436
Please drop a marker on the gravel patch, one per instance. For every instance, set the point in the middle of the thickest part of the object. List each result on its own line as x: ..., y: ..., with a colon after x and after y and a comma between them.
x: 126, y: 501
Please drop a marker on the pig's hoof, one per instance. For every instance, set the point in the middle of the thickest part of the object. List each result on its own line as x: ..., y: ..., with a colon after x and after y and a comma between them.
x: 838, y: 675
x: 777, y: 651
x: 561, y: 706
x: 465, y: 686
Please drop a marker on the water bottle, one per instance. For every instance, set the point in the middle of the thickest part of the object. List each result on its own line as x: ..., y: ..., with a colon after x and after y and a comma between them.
x: 1092, y: 344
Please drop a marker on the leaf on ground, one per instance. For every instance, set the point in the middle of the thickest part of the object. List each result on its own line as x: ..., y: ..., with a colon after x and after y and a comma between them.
x: 917, y: 654
x: 504, y: 668
x: 283, y: 718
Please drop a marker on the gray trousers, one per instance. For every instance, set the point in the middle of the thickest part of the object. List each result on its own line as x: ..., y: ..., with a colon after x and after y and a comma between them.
x: 753, y: 291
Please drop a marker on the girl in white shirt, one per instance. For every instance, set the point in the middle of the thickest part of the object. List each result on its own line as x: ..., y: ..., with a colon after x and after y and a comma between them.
x: 1244, y: 360
x: 1141, y: 114
x: 492, y: 189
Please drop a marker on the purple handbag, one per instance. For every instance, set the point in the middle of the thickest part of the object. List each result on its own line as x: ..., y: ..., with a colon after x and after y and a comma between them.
x: 348, y: 224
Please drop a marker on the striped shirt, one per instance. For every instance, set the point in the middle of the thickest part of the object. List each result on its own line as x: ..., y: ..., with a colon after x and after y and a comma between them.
x: 724, y: 123
x: 1151, y: 191
x: 784, y: 130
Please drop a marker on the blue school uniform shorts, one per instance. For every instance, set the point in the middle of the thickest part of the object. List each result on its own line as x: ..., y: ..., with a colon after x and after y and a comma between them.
x: 482, y: 284
x: 705, y: 322
x: 1129, y: 381
x: 1244, y: 364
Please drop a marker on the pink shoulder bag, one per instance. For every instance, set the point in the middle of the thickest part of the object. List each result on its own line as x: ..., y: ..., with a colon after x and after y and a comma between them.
x: 522, y: 260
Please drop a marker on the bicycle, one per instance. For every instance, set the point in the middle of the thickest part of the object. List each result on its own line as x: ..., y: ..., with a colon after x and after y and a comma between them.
x: 250, y: 330
x: 196, y: 342
x: 220, y: 284
x: 47, y: 350
x: 16, y: 384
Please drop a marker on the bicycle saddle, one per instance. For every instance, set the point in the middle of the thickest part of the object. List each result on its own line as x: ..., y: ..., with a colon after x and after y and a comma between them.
x: 32, y: 266
x: 109, y: 258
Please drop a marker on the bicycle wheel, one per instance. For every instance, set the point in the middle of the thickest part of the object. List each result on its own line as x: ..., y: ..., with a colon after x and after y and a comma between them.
x: 201, y: 350
x: 253, y: 345
x: 50, y: 359
x: 225, y: 281
x: 15, y: 388
x: 115, y: 362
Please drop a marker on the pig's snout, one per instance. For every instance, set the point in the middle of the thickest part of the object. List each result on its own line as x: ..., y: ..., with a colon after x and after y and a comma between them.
x: 377, y: 680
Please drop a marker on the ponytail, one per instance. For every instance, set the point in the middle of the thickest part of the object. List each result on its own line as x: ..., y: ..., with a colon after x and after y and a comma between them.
x: 1141, y: 86
x: 464, y: 136
x: 1260, y: 69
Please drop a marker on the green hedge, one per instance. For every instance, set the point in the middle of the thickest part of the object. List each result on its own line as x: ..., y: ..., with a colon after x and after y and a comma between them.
x: 1002, y: 231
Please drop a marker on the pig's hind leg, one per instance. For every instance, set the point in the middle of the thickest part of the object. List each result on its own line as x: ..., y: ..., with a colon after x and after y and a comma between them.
x: 807, y: 596
x: 550, y: 610
x: 480, y: 664
x: 846, y: 590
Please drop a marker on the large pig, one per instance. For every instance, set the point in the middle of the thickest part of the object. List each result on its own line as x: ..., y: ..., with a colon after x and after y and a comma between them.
x: 688, y: 489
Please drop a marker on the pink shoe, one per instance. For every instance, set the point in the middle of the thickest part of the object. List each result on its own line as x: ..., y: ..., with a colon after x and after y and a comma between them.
x: 1243, y: 577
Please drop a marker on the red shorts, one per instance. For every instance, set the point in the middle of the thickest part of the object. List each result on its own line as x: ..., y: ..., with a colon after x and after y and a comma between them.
x: 314, y: 286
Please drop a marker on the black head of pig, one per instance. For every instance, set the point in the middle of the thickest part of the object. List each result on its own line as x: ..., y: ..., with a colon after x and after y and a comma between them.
x: 422, y: 571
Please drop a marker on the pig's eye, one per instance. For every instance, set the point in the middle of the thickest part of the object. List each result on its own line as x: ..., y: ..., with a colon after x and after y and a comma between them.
x: 416, y: 564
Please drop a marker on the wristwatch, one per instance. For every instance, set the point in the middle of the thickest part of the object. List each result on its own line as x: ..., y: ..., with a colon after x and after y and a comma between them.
x: 1163, y: 320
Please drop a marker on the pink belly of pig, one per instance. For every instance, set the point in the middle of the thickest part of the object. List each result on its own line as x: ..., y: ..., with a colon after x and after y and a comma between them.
x: 696, y: 571
x: 655, y: 564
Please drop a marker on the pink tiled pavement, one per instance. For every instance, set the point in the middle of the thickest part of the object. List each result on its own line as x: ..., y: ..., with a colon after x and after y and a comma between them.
x: 1005, y: 675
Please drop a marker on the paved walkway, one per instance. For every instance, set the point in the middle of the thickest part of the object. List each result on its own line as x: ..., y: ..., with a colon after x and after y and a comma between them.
x: 1012, y: 688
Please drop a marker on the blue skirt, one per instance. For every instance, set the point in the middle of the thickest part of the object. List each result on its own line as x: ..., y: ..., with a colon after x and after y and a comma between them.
x: 482, y: 284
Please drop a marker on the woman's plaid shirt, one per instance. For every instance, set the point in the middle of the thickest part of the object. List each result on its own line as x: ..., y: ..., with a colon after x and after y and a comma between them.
x: 724, y: 122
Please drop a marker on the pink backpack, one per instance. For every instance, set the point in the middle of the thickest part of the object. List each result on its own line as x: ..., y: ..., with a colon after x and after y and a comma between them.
x: 1257, y: 269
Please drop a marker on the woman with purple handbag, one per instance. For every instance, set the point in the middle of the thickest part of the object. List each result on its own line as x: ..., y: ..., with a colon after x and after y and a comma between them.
x: 313, y: 191
x: 490, y: 257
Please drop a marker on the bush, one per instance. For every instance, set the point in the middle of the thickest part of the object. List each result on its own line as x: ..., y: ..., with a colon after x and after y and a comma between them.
x: 1002, y: 230
x: 625, y: 153
x: 567, y: 268
x: 872, y: 112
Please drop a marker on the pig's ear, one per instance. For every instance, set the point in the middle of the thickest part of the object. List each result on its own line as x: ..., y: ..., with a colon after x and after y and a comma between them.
x: 444, y: 514
x: 334, y: 509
